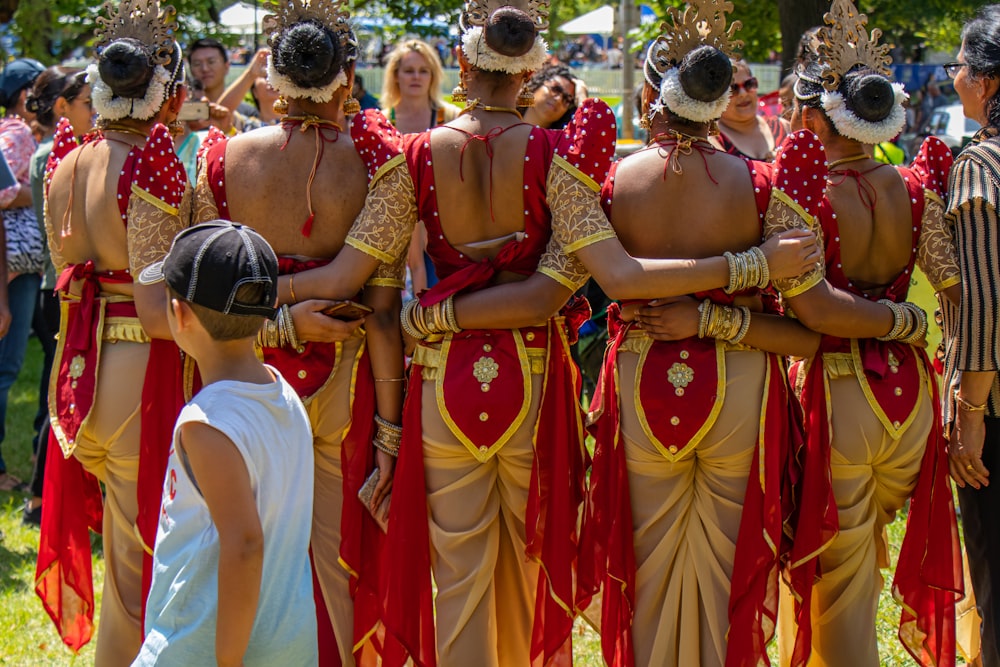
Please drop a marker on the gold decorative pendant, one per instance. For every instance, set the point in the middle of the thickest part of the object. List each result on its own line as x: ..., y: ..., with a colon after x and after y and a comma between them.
x: 680, y: 375
x: 77, y: 366
x: 486, y: 370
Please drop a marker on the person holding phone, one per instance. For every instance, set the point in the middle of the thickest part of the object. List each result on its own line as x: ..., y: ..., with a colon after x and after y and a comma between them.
x: 301, y: 184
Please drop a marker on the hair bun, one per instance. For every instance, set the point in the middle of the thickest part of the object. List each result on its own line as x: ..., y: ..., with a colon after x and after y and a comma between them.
x: 706, y: 73
x: 870, y: 96
x: 126, y: 68
x: 308, y: 54
x: 510, y: 32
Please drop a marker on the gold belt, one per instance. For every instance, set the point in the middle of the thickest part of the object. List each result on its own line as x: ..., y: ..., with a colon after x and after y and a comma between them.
x: 430, y: 359
x: 839, y: 364
x: 127, y: 329
x: 634, y: 342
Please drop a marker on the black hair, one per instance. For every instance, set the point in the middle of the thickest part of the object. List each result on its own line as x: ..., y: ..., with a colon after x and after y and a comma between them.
x: 705, y: 74
x: 547, y: 73
x: 53, y: 83
x: 126, y: 67
x: 981, y: 45
x: 208, y: 43
x: 868, y: 94
x: 310, y: 54
x: 510, y: 32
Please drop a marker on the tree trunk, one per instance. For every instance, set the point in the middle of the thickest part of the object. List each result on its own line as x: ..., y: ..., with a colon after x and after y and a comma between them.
x: 795, y: 17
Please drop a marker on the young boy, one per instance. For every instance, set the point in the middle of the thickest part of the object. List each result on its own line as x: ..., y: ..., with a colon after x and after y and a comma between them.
x: 231, y: 578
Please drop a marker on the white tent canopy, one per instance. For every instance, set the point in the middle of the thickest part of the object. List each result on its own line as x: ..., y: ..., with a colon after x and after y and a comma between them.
x: 242, y: 17
x: 601, y: 21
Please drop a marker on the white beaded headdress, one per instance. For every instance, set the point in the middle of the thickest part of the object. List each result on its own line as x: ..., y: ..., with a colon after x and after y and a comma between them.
x: 844, y: 44
x: 332, y: 15
x: 476, y: 15
x: 152, y: 26
x: 703, y: 23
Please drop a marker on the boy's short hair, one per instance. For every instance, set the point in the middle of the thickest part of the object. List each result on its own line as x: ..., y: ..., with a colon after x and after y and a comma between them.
x: 227, y: 273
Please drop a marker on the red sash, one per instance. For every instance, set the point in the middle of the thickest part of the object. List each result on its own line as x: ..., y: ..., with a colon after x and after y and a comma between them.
x: 607, y: 549
x: 928, y: 579
x: 71, y: 495
x: 550, y: 521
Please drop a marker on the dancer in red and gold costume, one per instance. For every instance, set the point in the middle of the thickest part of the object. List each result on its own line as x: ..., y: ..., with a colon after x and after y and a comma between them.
x: 346, y: 375
x: 113, y: 206
x: 490, y: 477
x: 869, y: 396
x: 695, y: 430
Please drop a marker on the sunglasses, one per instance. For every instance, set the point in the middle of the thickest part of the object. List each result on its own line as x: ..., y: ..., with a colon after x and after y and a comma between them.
x: 952, y: 69
x: 749, y: 86
x: 561, y: 93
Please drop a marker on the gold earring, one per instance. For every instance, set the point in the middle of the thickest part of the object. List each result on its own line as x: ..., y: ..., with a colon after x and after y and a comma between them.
x: 645, y: 122
x: 713, y: 128
x: 459, y: 95
x: 526, y: 98
x: 351, y: 106
x: 176, y: 128
x: 280, y: 105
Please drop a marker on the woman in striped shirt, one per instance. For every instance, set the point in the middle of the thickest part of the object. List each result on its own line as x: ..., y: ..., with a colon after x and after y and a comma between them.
x: 973, y: 352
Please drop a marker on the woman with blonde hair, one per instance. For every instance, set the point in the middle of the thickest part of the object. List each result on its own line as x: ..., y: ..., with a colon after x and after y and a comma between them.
x: 411, y: 92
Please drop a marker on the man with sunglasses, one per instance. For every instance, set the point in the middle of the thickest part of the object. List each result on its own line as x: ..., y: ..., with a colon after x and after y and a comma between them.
x: 744, y: 132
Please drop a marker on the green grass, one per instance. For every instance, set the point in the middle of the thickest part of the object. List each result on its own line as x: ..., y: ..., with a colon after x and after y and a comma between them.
x: 28, y: 638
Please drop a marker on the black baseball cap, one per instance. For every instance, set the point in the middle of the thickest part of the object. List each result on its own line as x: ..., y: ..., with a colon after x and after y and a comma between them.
x: 17, y: 75
x: 209, y: 262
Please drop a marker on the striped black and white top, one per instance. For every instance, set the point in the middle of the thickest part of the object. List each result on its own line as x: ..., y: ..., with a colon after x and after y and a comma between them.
x: 972, y: 342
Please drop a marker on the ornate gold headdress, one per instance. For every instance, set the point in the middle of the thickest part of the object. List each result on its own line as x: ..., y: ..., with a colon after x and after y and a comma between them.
x: 702, y: 23
x: 477, y: 12
x: 844, y: 44
x: 329, y: 13
x: 142, y: 20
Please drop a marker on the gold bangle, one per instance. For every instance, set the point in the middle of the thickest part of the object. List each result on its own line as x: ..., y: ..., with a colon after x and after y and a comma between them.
x: 705, y: 314
x: 969, y: 407
x: 291, y: 288
x: 390, y: 379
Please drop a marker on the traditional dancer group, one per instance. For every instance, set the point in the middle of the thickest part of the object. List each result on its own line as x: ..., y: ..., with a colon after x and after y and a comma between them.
x: 765, y: 409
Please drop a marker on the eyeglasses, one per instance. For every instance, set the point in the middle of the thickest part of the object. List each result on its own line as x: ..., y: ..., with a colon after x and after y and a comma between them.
x: 561, y: 93
x: 952, y: 69
x: 749, y: 86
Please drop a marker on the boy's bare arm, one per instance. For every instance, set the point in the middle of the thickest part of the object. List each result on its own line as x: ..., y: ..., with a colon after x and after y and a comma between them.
x: 241, y: 540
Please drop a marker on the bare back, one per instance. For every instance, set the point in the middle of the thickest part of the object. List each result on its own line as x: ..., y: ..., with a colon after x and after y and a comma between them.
x: 267, y: 186
x: 664, y: 214
x: 468, y: 187
x: 875, y: 222
x: 84, y: 220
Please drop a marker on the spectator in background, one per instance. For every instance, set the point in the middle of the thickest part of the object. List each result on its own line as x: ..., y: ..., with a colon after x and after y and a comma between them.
x: 743, y: 132
x: 25, y: 253
x: 554, y: 92
x: 411, y: 92
x: 209, y: 62
x: 264, y: 97
x: 411, y: 98
x: 615, y: 55
x: 58, y: 93
x: 364, y: 98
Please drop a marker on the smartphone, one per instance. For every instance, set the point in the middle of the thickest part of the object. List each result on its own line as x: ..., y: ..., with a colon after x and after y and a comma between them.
x: 347, y: 310
x: 193, y: 110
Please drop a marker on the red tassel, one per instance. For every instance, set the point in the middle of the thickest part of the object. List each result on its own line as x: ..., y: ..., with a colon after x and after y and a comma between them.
x: 308, y: 227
